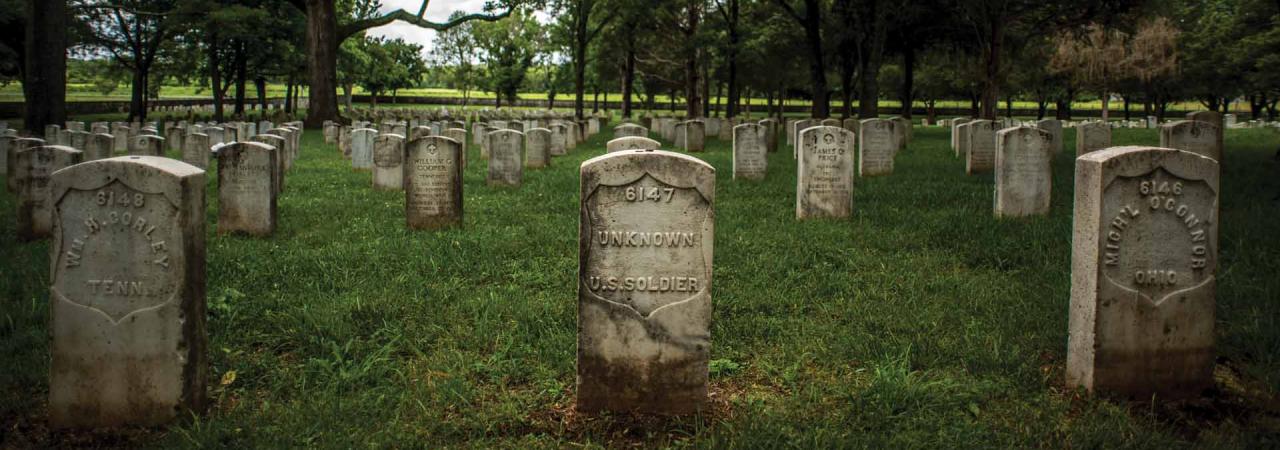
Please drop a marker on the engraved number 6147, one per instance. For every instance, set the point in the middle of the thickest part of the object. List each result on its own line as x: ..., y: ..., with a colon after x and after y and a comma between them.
x: 642, y: 194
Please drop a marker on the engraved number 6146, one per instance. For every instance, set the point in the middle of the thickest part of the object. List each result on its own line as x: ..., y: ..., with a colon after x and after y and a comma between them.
x: 642, y: 194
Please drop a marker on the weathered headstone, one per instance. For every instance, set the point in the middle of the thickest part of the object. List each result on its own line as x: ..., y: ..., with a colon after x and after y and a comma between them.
x: 631, y: 143
x: 1054, y: 127
x: 537, y: 148
x: 824, y: 181
x: 1092, y: 136
x: 958, y: 138
x: 796, y: 128
x: 770, y: 134
x: 146, y: 145
x: 877, y: 145
x: 173, y: 138
x: 506, y: 158
x: 629, y: 129
x: 646, y: 242
x: 980, y: 152
x: 694, y: 136
x: 195, y: 150
x: 750, y: 156
x: 433, y: 183
x: 460, y: 135
x: 1217, y: 120
x: 1145, y: 249
x: 1023, y: 176
x: 362, y: 148
x: 247, y: 188
x: 279, y: 143
x: 127, y: 295
x: 558, y: 136
x: 33, y: 167
x: 388, y: 162
x: 1192, y: 135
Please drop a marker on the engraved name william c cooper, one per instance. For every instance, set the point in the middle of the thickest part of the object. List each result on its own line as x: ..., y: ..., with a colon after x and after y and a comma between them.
x: 116, y: 252
x: 1157, y: 240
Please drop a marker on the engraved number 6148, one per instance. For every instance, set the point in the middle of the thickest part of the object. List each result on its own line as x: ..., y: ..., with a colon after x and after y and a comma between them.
x: 642, y: 194
x: 108, y: 198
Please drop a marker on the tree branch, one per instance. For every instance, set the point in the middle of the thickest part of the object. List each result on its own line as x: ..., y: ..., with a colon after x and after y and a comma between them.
x: 352, y: 28
x: 786, y: 6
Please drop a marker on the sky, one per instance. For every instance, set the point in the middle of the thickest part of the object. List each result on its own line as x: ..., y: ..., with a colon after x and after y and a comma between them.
x: 437, y: 11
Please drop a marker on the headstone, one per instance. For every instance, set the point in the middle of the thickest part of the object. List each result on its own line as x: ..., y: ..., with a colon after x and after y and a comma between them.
x: 1143, y: 294
x: 629, y: 129
x: 419, y: 132
x: 770, y: 134
x: 33, y: 167
x: 980, y: 152
x: 279, y: 143
x: 1091, y: 136
x: 1216, y: 119
x: 1054, y: 127
x: 173, y: 137
x: 247, y: 188
x: 750, y: 156
x: 824, y: 181
x: 6, y: 145
x: 52, y: 134
x: 460, y: 135
x: 127, y: 295
x: 537, y: 148
x: 1023, y: 176
x: 798, y: 127
x: 217, y: 135
x: 122, y: 135
x: 646, y: 242
x: 195, y: 150
x: 11, y: 164
x: 330, y: 132
x: 99, y: 147
x: 1192, y: 135
x: 558, y: 135
x: 958, y: 139
x: 695, y: 135
x: 631, y: 143
x: 877, y: 146
x: 506, y: 158
x: 78, y: 140
x: 146, y: 145
x: 362, y: 148
x: 433, y: 183
x: 388, y: 162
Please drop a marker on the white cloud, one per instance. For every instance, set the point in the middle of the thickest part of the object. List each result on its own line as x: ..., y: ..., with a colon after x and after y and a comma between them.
x: 437, y: 11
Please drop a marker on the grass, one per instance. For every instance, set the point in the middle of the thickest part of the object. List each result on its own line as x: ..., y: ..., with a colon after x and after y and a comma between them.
x: 919, y: 322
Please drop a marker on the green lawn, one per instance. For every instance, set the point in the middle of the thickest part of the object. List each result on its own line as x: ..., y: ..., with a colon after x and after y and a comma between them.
x: 86, y: 92
x: 919, y: 322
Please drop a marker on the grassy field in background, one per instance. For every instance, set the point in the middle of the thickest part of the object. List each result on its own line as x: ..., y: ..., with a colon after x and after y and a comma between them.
x: 920, y: 322
x: 86, y: 92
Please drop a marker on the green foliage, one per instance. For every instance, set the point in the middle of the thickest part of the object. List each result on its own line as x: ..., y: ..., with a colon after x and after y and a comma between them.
x: 508, y: 48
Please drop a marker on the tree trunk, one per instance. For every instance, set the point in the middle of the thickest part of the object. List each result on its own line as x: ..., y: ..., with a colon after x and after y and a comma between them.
x: 1106, y: 105
x: 322, y: 60
x: 706, y: 85
x: 693, y: 103
x: 260, y: 84
x: 1008, y: 107
x: 821, y: 108
x: 240, y: 79
x: 138, y: 100
x: 1127, y: 113
x: 991, y: 78
x: 215, y: 76
x: 580, y: 55
x: 908, y: 79
x: 288, y: 96
x: 595, y: 100
x: 44, y: 84
x: 628, y: 81
x: 847, y: 68
x: 731, y: 56
x: 869, y: 82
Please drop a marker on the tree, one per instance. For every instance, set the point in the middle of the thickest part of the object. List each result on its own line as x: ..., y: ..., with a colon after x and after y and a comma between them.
x: 810, y: 19
x: 507, y: 49
x: 1094, y: 59
x: 993, y: 20
x: 132, y: 31
x: 454, y: 50
x: 44, y: 70
x: 324, y: 35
